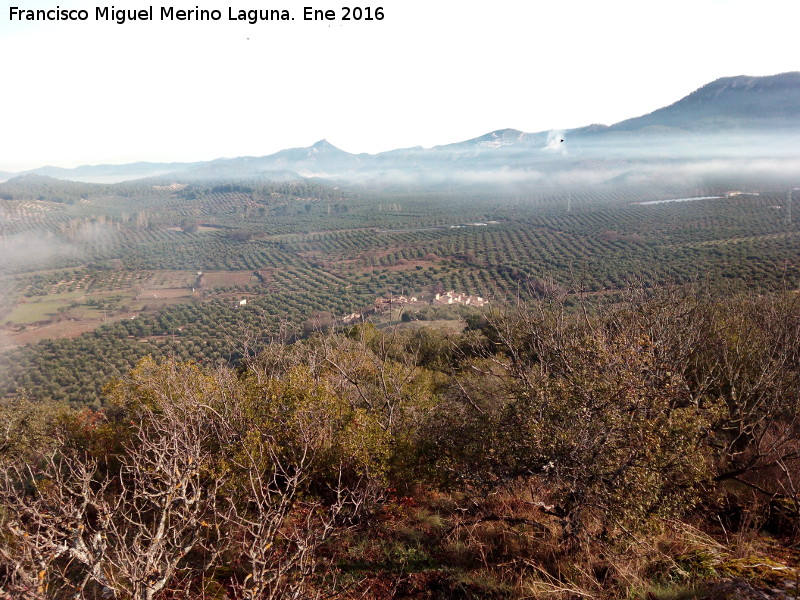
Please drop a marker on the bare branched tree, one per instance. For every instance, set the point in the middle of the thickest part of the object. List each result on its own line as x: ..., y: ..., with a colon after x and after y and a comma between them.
x: 124, y: 530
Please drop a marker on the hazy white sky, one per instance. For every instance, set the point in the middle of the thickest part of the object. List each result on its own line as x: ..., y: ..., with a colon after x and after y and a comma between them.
x: 431, y: 72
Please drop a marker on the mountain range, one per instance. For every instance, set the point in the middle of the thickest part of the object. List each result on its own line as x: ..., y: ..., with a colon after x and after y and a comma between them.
x: 732, y: 118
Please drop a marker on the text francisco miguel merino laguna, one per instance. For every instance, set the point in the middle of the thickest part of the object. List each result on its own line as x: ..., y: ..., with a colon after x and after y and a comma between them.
x: 170, y: 13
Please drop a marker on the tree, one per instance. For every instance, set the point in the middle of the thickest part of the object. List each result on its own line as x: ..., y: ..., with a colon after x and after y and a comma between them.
x: 141, y: 499
x: 124, y: 524
x: 585, y: 414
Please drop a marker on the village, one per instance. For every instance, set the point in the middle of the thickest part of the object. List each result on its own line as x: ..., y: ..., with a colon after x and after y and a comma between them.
x: 386, y: 304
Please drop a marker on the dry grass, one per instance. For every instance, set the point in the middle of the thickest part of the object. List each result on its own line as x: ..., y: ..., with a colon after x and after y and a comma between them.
x: 504, y: 546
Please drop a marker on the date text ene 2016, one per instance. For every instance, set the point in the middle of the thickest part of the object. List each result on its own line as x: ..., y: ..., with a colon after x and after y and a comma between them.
x: 355, y: 13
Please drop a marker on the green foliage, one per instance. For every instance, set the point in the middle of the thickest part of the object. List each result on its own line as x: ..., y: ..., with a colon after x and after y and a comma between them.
x: 597, y: 410
x: 537, y: 427
x: 305, y: 262
x: 594, y: 417
x: 27, y: 427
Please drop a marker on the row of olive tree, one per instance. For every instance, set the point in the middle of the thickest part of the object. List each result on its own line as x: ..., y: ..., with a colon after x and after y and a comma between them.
x: 234, y: 483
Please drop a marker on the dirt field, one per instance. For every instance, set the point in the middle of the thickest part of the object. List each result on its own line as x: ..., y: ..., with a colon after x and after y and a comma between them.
x: 65, y: 329
x: 228, y: 278
x: 171, y: 279
x: 73, y: 313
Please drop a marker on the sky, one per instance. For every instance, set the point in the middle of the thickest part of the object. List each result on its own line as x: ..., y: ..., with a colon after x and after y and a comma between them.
x: 430, y: 72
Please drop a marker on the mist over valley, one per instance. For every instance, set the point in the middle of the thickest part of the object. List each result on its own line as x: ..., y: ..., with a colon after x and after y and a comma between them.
x: 734, y: 124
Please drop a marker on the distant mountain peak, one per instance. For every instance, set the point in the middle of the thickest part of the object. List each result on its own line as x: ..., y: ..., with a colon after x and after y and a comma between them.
x: 743, y: 84
x: 722, y: 118
x: 498, y: 138
x: 737, y: 102
x: 325, y: 145
x: 508, y: 135
x: 507, y: 132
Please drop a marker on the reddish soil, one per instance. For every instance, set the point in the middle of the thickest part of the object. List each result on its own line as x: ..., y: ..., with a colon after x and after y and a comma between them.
x: 64, y: 329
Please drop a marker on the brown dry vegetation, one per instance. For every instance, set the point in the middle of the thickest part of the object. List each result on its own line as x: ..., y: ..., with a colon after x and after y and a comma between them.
x: 642, y: 449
